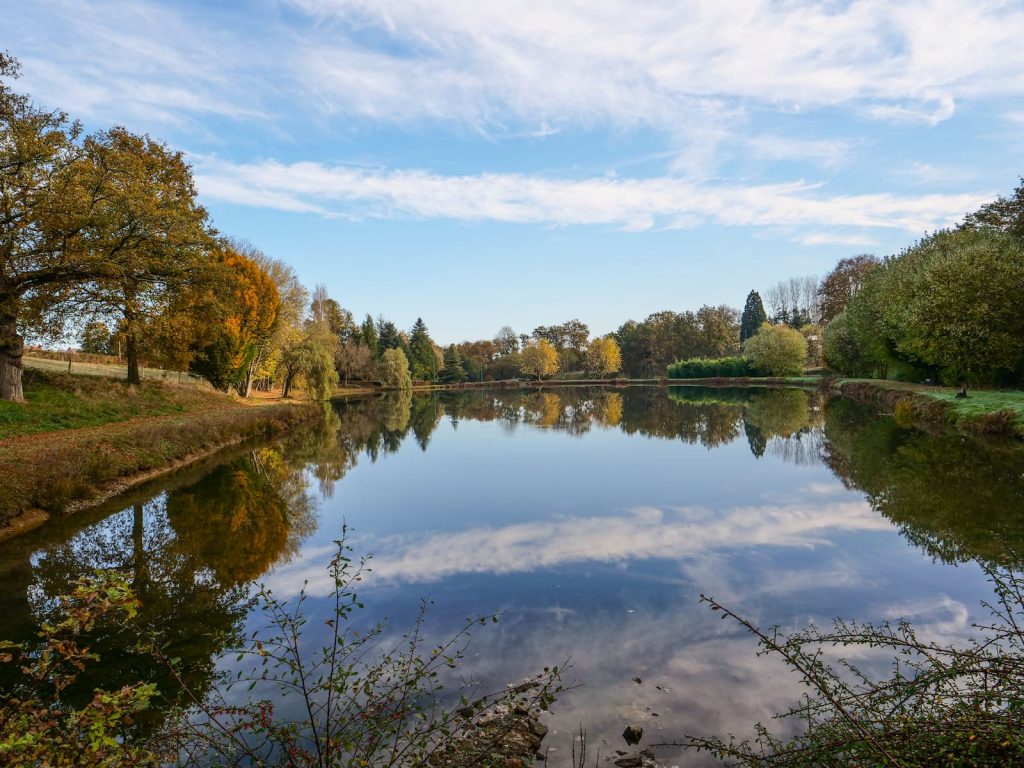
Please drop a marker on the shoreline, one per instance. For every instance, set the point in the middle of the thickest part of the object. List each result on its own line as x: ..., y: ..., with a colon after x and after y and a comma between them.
x: 62, y: 473
x: 983, y: 411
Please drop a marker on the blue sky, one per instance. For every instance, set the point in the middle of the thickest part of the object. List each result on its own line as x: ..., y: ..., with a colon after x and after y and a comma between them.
x: 524, y: 162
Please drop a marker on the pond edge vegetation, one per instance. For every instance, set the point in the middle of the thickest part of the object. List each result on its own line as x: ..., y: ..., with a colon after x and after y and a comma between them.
x: 90, y: 465
x: 67, y: 471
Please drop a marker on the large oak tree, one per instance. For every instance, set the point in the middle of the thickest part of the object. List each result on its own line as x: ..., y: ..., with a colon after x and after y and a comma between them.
x: 44, y: 204
x: 147, y: 231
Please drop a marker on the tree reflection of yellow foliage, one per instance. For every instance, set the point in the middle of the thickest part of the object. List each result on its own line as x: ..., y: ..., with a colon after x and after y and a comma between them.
x: 237, y: 520
x: 610, y: 412
x: 550, y: 409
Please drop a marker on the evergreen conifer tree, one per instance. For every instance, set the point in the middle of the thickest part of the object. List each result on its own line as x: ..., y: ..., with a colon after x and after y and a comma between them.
x: 422, y: 360
x: 453, y: 371
x: 388, y: 335
x: 368, y: 336
x: 753, y: 316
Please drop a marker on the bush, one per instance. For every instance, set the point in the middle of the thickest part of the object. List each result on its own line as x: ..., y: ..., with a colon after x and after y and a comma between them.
x: 777, y: 350
x: 944, y: 704
x: 710, y: 367
x: 842, y: 353
x: 953, y: 302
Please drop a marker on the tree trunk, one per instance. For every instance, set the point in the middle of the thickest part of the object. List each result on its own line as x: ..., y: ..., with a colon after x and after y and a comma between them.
x: 131, y: 342
x: 132, y: 355
x: 11, y: 349
x: 140, y: 562
x: 286, y: 388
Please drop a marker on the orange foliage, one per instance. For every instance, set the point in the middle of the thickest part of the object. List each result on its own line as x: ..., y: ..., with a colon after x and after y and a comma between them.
x: 254, y: 304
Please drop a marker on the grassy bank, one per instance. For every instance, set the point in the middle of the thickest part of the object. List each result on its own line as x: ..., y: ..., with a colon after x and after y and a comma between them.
x: 58, y: 400
x: 984, y: 411
x: 80, y: 439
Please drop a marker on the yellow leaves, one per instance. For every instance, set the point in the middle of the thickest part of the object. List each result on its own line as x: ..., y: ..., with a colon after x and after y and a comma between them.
x: 610, y: 409
x: 604, y: 356
x: 539, y: 359
x: 550, y: 409
x: 256, y: 299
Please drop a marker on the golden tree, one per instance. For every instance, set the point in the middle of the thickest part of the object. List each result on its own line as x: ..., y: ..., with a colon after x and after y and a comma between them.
x: 603, y: 356
x: 539, y: 359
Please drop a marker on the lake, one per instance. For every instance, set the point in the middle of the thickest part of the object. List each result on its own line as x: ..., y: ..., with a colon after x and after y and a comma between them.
x: 591, y: 519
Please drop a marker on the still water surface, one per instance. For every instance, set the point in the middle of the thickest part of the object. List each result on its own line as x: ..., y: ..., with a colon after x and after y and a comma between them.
x: 591, y: 519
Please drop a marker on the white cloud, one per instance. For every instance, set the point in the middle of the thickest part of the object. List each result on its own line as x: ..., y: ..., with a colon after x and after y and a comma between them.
x: 662, y: 63
x: 835, y: 238
x: 825, y: 152
x: 691, y: 69
x: 923, y: 112
x: 633, y: 204
x: 928, y: 173
x: 645, y: 532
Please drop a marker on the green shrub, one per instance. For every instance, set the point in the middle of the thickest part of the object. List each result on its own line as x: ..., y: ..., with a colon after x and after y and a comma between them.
x: 777, y: 350
x: 710, y: 367
x: 944, y: 704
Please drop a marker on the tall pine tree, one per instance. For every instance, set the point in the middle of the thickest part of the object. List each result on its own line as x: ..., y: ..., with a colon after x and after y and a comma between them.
x: 422, y: 360
x: 388, y: 335
x: 368, y: 337
x: 453, y: 371
x: 753, y: 316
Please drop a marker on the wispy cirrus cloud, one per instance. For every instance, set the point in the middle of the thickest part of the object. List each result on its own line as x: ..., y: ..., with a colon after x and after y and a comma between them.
x: 693, y: 70
x: 662, y: 61
x: 639, y: 533
x: 627, y: 203
x: 835, y: 238
x: 117, y: 61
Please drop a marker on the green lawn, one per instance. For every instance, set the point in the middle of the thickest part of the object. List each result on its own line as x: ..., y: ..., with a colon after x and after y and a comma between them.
x: 982, y: 402
x: 978, y: 403
x: 113, y: 371
x: 58, y: 401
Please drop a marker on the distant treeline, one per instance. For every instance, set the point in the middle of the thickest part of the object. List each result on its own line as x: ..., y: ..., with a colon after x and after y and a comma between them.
x: 102, y: 241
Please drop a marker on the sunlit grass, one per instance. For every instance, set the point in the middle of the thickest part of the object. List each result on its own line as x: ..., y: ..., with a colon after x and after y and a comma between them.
x: 57, y: 401
x: 979, y: 403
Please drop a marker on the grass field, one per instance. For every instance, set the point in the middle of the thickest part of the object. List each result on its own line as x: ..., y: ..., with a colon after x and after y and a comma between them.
x: 112, y: 371
x: 57, y: 401
x: 79, y: 436
x: 986, y: 410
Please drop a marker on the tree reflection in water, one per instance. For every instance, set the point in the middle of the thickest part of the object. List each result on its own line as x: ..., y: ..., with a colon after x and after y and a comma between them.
x: 193, y: 551
x: 959, y: 498
x: 191, y: 554
x: 956, y: 497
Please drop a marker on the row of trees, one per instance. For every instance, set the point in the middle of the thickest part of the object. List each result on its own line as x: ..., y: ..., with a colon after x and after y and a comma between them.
x: 945, y: 309
x: 549, y: 350
x: 103, y: 232
x: 791, y: 337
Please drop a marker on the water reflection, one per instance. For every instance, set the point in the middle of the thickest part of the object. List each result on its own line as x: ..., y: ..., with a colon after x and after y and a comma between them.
x: 710, y: 417
x: 242, y: 518
x: 956, y: 497
x: 592, y: 516
x: 191, y: 554
x: 637, y: 534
